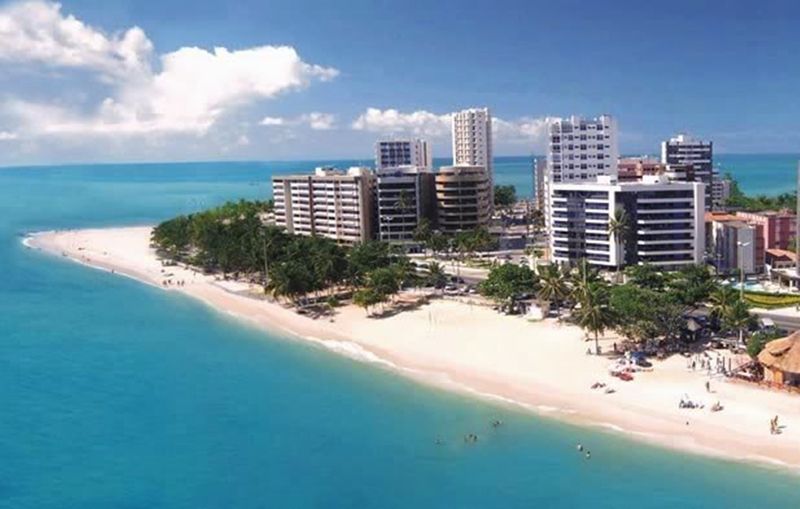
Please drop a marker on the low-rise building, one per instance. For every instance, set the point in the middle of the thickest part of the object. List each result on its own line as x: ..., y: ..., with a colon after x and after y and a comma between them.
x: 779, y: 227
x: 405, y: 195
x: 734, y: 244
x: 463, y: 198
x: 664, y: 222
x: 331, y: 203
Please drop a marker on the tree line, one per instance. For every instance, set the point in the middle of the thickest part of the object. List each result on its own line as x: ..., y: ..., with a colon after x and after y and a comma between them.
x: 650, y: 306
x: 234, y: 239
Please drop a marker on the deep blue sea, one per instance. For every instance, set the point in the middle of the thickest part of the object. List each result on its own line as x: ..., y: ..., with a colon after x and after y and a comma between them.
x: 114, y: 394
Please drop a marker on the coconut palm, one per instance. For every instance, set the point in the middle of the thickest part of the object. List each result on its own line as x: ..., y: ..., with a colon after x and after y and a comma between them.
x: 721, y: 299
x: 738, y: 318
x: 552, y: 284
x: 594, y: 314
x: 619, y: 227
x: 436, y: 275
x: 580, y: 279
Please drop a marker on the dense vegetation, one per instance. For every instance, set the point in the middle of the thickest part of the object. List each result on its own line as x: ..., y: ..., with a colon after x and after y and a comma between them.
x: 505, y: 196
x: 738, y: 200
x: 650, y: 307
x: 233, y: 238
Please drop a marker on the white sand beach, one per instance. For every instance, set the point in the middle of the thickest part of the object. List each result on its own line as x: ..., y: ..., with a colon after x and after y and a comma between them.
x: 542, y: 366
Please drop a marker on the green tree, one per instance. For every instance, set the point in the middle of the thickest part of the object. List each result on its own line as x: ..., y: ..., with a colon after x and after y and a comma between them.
x: 507, y: 281
x: 645, y: 276
x: 759, y: 340
x: 738, y: 318
x: 553, y: 286
x: 594, y: 313
x: 437, y: 277
x: 366, y: 298
x: 619, y: 228
x: 505, y: 196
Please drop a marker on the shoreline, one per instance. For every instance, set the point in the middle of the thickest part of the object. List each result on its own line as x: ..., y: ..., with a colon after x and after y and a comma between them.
x: 541, y: 369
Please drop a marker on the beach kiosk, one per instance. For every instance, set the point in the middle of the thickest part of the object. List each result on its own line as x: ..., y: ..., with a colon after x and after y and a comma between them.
x: 781, y: 360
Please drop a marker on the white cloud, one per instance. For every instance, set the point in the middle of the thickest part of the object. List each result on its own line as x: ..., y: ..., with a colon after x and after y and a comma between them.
x: 419, y: 122
x: 319, y: 121
x: 37, y: 31
x: 526, y: 131
x: 8, y: 136
x: 270, y: 121
x: 314, y: 120
x: 190, y: 91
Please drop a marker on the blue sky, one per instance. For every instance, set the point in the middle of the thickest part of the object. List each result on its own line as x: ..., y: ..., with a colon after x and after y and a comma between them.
x: 312, y: 79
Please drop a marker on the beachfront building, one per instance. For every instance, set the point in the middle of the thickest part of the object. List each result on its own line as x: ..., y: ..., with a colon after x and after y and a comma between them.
x: 330, y: 203
x: 578, y: 150
x: 463, y: 198
x: 779, y: 227
x: 405, y: 195
x: 780, y: 360
x: 734, y: 244
x: 720, y: 191
x: 694, y: 158
x: 665, y: 222
x: 393, y: 153
x: 472, y: 142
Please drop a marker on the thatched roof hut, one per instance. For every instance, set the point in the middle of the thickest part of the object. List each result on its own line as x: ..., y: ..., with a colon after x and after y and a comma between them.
x: 781, y: 360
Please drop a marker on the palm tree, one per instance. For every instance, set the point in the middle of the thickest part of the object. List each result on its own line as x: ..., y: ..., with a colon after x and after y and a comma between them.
x: 552, y: 284
x: 738, y: 318
x: 583, y: 276
x: 595, y: 314
x: 722, y: 298
x: 619, y: 228
x: 436, y: 275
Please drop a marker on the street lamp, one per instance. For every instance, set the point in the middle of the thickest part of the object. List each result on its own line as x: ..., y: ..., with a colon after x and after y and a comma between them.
x: 741, y: 267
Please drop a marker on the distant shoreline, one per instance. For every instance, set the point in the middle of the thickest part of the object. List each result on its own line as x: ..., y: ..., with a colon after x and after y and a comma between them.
x: 540, y: 367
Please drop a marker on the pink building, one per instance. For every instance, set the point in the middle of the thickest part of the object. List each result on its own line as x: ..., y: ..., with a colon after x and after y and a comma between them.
x: 778, y: 227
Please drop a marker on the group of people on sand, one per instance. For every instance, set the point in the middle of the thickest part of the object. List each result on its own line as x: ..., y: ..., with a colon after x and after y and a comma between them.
x: 774, y: 427
x: 169, y: 282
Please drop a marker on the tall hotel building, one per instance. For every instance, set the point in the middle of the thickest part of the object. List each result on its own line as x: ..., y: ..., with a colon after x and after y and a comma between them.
x: 463, y: 198
x: 329, y: 203
x: 394, y: 153
x: 578, y: 150
x: 693, y: 157
x: 472, y: 142
x: 405, y: 195
x: 666, y: 222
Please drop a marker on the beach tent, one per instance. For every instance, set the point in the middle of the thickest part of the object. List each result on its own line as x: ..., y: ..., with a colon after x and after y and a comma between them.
x: 781, y: 360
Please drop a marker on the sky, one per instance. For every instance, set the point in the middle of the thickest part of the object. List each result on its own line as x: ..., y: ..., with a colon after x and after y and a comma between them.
x: 179, y: 80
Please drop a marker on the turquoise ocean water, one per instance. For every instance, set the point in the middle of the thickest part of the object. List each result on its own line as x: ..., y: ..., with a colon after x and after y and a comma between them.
x: 114, y: 394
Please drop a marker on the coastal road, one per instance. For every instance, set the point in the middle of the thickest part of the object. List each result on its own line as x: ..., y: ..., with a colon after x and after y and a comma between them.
x: 786, y: 318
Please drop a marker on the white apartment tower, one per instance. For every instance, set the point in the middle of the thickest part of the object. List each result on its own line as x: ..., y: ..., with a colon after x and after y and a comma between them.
x: 330, y: 203
x: 580, y: 149
x: 666, y: 222
x: 472, y: 141
x: 393, y: 153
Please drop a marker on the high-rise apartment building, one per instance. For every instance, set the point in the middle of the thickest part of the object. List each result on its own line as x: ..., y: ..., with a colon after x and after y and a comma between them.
x: 393, y: 153
x: 734, y: 244
x: 405, y: 195
x: 330, y: 203
x: 463, y: 198
x: 472, y: 141
x: 580, y: 150
x: 665, y: 222
x: 694, y: 157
